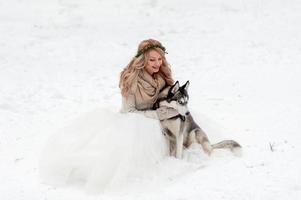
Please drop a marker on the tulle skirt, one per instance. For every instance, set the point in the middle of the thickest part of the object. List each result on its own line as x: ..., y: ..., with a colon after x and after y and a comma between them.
x: 103, y: 150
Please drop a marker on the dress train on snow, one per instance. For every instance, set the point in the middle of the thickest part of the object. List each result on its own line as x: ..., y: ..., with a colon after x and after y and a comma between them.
x: 103, y: 150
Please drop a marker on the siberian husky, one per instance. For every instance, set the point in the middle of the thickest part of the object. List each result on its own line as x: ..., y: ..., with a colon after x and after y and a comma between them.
x: 181, y: 130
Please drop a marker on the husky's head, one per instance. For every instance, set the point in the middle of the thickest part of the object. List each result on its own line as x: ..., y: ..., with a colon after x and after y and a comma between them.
x: 177, y: 98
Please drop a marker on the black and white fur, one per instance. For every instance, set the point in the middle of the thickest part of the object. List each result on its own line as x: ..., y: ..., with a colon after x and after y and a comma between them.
x: 181, y: 130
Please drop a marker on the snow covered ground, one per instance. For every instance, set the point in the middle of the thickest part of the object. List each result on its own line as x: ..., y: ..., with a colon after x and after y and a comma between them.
x: 62, y: 58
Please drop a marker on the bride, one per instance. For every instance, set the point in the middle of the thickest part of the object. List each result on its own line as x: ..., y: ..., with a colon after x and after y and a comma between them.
x: 104, y: 149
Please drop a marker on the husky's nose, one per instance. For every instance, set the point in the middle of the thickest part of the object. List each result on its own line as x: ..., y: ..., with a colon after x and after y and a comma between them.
x: 187, y: 113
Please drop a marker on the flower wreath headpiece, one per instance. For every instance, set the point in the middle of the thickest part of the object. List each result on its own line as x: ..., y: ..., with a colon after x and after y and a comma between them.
x: 150, y: 46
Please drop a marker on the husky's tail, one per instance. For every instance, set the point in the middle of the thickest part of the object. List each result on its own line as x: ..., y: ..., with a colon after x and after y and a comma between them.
x: 226, y: 144
x: 202, y: 139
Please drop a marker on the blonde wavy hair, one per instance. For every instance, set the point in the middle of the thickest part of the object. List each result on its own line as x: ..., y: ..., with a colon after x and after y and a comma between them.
x: 130, y: 73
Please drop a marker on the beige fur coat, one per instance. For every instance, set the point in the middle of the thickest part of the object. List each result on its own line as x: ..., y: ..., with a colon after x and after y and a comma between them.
x: 143, y: 94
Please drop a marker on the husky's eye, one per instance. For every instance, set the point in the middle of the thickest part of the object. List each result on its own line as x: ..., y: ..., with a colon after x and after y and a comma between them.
x: 181, y: 101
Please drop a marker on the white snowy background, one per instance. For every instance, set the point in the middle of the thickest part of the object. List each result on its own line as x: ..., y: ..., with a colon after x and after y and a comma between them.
x: 62, y: 58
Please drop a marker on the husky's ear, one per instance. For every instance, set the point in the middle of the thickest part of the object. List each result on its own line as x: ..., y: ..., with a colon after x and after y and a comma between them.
x: 174, y: 88
x: 185, y: 86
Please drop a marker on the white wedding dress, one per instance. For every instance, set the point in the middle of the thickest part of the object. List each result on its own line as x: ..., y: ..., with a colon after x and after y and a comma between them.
x: 103, y: 150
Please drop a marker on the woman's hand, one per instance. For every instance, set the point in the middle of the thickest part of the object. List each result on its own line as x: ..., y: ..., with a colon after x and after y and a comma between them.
x: 166, y: 112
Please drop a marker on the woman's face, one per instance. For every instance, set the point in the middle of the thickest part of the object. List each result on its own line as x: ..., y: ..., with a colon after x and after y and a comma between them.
x: 154, y: 62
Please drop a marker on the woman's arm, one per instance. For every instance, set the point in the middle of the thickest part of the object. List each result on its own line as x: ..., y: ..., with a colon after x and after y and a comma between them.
x: 129, y: 105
